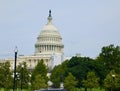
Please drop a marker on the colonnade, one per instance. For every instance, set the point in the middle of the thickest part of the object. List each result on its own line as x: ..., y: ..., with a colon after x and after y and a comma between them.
x: 44, y: 48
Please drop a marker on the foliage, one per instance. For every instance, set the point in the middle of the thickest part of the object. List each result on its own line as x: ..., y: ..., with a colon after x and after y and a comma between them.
x: 92, y: 80
x: 23, y: 75
x: 112, y: 81
x: 86, y: 64
x: 80, y: 63
x: 39, y: 82
x: 58, y: 74
x: 40, y: 69
x: 6, y: 79
x: 70, y: 82
x: 110, y: 55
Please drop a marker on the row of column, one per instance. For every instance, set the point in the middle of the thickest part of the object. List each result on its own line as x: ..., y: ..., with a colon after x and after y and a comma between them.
x: 49, y: 48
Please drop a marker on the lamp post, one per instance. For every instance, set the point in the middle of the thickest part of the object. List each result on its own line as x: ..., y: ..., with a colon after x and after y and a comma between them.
x: 30, y: 82
x: 15, y: 76
x: 22, y: 76
x: 113, y: 81
x: 61, y: 82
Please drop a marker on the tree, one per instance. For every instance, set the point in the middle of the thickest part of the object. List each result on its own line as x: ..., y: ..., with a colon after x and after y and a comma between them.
x: 6, y: 79
x: 110, y: 55
x: 80, y: 63
x: 92, y: 81
x: 58, y: 74
x: 86, y: 64
x: 23, y: 76
x: 112, y: 81
x: 40, y: 69
x: 39, y: 82
x: 100, y: 70
x: 70, y: 82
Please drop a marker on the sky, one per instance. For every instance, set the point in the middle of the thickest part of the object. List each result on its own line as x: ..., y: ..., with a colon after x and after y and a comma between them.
x: 85, y: 25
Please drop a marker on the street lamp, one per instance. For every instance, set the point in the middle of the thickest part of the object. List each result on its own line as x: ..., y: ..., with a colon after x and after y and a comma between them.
x: 61, y: 82
x: 22, y: 76
x: 113, y: 81
x: 15, y: 76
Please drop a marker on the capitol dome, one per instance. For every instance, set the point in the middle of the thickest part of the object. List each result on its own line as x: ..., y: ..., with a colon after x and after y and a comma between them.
x: 49, y: 41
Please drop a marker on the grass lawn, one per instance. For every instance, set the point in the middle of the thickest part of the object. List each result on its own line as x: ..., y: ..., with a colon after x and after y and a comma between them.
x: 82, y: 89
x: 97, y: 90
x: 2, y: 89
x: 76, y: 89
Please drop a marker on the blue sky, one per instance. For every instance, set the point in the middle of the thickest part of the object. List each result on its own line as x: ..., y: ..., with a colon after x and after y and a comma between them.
x: 85, y: 25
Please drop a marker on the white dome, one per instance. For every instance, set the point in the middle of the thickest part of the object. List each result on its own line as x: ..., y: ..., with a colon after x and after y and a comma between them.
x: 49, y: 27
x: 49, y: 39
x: 49, y: 30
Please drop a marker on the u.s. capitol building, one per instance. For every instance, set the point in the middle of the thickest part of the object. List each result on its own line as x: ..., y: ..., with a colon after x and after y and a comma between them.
x: 48, y: 47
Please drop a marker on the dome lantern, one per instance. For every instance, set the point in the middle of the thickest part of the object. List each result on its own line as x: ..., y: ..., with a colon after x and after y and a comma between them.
x: 49, y: 17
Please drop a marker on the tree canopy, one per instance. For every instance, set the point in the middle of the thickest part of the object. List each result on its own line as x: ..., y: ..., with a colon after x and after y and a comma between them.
x: 86, y: 64
x: 92, y: 81
x: 6, y: 79
x: 58, y: 74
x: 70, y: 82
x: 40, y: 71
x: 112, y: 81
x: 110, y: 55
x: 39, y: 83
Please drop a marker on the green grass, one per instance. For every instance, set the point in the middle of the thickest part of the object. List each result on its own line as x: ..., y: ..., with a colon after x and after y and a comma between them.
x: 2, y: 89
x: 97, y: 90
x: 82, y: 89
x: 76, y: 89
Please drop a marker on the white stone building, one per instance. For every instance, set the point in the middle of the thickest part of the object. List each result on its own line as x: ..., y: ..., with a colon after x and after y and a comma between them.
x: 48, y: 47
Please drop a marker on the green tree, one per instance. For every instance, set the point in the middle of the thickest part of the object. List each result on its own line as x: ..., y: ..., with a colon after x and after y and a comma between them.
x: 70, y: 82
x: 86, y: 64
x: 40, y: 69
x: 112, y: 81
x: 101, y: 71
x: 39, y: 82
x: 23, y: 75
x: 92, y: 81
x: 110, y: 55
x: 6, y: 79
x: 80, y: 63
x: 2, y: 76
x: 58, y: 74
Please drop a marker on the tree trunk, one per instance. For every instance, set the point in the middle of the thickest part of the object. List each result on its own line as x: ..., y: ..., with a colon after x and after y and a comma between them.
x: 90, y: 89
x: 85, y: 89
